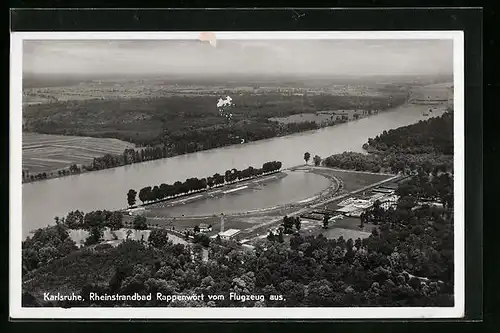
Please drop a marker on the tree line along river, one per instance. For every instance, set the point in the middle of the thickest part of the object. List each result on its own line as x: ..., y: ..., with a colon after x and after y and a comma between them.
x: 107, y: 189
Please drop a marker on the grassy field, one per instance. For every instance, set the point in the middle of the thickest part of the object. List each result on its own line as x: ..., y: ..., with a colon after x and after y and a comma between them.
x: 180, y: 224
x: 348, y: 227
x: 353, y: 181
x: 49, y: 153
x: 335, y: 233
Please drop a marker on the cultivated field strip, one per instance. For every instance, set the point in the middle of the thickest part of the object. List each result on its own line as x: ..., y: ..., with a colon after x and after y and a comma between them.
x: 50, y: 153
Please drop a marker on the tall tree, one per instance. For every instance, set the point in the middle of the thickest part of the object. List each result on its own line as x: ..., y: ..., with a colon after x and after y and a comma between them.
x: 288, y: 223
x: 131, y: 195
x: 115, y: 221
x: 158, y: 238
x: 74, y: 220
x: 202, y: 239
x: 297, y: 223
x: 140, y: 222
x: 94, y: 236
x: 156, y: 193
x: 317, y: 160
x: 145, y: 194
x: 280, y: 236
x: 326, y: 219
x: 307, y: 156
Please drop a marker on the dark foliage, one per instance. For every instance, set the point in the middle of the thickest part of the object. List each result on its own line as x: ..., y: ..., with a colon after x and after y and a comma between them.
x: 140, y: 222
x: 408, y: 260
x: 45, y: 245
x: 427, y: 145
x: 170, y: 126
x: 168, y: 191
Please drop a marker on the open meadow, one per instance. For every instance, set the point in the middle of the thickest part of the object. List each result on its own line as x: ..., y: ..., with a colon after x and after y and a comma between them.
x: 49, y: 153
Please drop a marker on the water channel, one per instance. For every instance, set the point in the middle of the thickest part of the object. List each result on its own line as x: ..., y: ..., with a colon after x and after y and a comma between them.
x: 106, y: 189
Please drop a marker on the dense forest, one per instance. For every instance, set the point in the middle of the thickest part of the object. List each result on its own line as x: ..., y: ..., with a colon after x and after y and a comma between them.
x: 427, y: 144
x: 47, y: 244
x: 169, y: 126
x: 407, y: 261
x: 434, y: 135
x: 162, y: 120
x: 167, y: 191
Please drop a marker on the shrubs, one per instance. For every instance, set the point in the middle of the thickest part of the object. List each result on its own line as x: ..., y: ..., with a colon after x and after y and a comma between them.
x: 406, y: 261
x: 426, y: 145
x: 317, y: 160
x: 98, y: 218
x: 94, y: 236
x: 140, y: 222
x: 158, y: 238
x: 202, y: 239
x: 369, y: 272
x: 46, y: 245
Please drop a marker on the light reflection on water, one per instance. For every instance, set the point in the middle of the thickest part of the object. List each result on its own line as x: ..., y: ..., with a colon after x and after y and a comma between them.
x: 294, y: 187
x: 107, y: 189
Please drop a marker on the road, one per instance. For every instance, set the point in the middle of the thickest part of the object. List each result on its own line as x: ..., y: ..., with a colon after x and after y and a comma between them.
x: 319, y: 204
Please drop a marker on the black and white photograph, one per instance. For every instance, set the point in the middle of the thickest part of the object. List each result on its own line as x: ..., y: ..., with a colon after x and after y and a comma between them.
x: 236, y: 173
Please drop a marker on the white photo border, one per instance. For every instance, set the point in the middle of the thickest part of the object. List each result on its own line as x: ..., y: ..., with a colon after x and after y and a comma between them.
x: 15, y: 202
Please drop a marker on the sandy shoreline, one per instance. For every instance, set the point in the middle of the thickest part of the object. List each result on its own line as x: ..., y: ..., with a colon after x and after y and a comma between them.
x: 334, y: 186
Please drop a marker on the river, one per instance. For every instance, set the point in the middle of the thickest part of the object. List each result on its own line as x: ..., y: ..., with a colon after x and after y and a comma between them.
x: 106, y: 189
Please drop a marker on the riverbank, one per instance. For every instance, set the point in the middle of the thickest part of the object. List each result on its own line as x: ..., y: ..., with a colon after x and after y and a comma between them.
x: 106, y: 189
x: 260, y: 230
x: 165, y: 154
x: 227, y: 187
x: 160, y: 216
x: 254, y: 223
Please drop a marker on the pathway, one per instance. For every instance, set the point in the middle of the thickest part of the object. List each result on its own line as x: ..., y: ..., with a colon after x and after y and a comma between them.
x: 309, y: 207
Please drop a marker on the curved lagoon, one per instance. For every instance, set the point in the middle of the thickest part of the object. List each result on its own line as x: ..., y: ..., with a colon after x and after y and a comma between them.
x: 296, y: 186
x: 106, y: 189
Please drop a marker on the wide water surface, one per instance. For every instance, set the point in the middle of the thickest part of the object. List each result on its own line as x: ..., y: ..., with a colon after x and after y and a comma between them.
x: 296, y: 186
x: 106, y: 189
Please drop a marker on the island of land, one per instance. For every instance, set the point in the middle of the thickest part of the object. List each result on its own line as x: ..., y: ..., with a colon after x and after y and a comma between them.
x: 376, y: 229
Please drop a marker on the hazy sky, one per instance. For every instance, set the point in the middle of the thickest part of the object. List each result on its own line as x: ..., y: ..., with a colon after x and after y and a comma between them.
x: 339, y: 57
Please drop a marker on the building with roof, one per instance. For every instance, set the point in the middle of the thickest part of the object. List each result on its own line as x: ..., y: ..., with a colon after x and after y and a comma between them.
x: 363, y: 204
x: 205, y: 227
x: 336, y: 217
x: 349, y: 210
x: 377, y: 196
x: 383, y: 190
x: 388, y: 204
x: 228, y: 233
x: 389, y: 201
x: 390, y: 186
x: 356, y: 213
x: 347, y: 201
x: 431, y: 203
x: 136, y: 211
